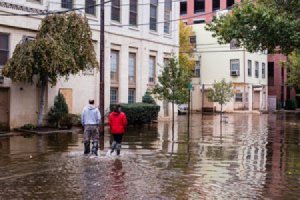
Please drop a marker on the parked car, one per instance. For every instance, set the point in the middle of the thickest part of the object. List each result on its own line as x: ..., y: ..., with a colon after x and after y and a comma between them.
x: 182, y: 109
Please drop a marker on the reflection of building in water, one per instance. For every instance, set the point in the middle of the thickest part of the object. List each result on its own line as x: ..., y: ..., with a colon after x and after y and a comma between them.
x: 232, y: 158
x: 168, y: 140
x: 4, y: 145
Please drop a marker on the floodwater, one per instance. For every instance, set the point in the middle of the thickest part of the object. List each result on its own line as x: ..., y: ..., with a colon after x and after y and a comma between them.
x: 249, y: 156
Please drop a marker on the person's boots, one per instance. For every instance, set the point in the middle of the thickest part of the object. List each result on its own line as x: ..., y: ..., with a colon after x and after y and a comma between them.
x: 113, y: 146
x: 95, y: 148
x: 87, y: 147
x: 118, y: 149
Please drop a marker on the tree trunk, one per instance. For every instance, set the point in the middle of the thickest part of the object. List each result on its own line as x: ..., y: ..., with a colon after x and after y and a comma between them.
x: 221, y: 113
x: 173, y: 119
x: 42, y: 103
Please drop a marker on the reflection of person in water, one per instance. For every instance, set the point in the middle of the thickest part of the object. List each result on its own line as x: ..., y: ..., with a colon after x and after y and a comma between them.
x: 119, y: 175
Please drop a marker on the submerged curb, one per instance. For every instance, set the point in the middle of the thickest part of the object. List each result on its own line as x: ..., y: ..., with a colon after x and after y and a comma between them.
x: 45, y: 132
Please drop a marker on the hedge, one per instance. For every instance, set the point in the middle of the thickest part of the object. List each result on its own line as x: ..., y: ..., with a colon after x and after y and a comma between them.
x: 139, y: 113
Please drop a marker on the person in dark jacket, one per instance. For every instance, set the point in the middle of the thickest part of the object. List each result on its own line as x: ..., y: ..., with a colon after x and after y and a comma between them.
x: 117, y: 121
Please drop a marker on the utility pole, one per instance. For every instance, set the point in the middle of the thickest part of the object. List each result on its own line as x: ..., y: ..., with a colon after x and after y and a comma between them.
x: 102, y: 46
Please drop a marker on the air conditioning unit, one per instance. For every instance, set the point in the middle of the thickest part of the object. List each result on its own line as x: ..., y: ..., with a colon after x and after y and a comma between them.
x: 235, y: 73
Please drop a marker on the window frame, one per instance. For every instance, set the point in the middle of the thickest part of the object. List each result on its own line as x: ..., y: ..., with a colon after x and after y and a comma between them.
x: 238, y: 99
x: 153, y: 20
x: 117, y: 8
x: 249, y: 68
x: 217, y: 2
x: 231, y: 67
x: 186, y: 6
x: 89, y: 9
x: 263, y: 70
x: 167, y: 16
x: 116, y: 95
x: 116, y: 75
x: 152, y: 69
x: 256, y: 69
x: 232, y: 3
x: 5, y: 50
x: 66, y: 4
x: 133, y: 81
x: 131, y: 97
x: 133, y: 12
x: 199, y: 2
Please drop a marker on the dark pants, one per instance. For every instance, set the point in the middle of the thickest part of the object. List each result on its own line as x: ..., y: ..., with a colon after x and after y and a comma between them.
x: 117, y: 143
x: 118, y: 138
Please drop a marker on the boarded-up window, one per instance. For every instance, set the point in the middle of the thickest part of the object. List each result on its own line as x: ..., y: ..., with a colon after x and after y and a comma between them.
x: 68, y: 94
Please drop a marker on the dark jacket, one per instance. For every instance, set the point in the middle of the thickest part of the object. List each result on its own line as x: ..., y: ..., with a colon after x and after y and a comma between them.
x: 117, y: 122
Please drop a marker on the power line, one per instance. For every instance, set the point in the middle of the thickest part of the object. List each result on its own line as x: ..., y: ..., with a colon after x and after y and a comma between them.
x: 45, y: 12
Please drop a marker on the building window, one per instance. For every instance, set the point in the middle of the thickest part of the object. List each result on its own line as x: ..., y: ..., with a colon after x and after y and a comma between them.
x: 235, y: 67
x: 270, y: 73
x: 197, y: 69
x: 131, y: 68
x: 230, y: 3
x: 216, y: 4
x: 249, y: 68
x: 4, y: 48
x: 67, y: 4
x: 167, y: 17
x: 133, y: 12
x: 199, y: 6
x: 115, y: 10
x: 114, y: 65
x: 263, y: 70
x: 90, y: 7
x: 239, y: 97
x: 166, y: 62
x: 153, y: 15
x: 199, y: 21
x: 152, y: 61
x: 256, y: 69
x: 113, y: 95
x: 183, y: 8
x: 131, y: 95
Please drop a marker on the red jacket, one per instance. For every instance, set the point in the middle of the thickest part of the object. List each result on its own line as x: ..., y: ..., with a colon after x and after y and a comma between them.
x: 117, y: 122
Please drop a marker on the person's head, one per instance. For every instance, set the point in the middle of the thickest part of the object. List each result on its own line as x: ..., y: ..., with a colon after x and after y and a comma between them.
x: 91, y: 101
x: 117, y: 108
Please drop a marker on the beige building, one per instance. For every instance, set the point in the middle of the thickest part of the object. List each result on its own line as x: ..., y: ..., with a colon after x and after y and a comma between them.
x: 135, y: 49
x: 247, y: 72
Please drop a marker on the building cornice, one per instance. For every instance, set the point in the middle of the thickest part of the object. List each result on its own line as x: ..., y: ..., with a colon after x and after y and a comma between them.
x: 21, y: 8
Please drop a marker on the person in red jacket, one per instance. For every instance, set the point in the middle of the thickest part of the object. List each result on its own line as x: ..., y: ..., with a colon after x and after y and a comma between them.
x: 117, y: 121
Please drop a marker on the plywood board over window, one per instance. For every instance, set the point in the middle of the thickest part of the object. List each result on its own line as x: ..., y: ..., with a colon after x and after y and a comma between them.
x: 68, y: 94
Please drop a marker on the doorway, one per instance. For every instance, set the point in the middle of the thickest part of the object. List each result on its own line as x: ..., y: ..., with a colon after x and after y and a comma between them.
x: 4, y: 109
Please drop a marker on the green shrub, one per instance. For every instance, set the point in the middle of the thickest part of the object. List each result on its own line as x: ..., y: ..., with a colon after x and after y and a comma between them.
x: 58, y: 110
x: 28, y: 127
x: 147, y: 98
x: 290, y: 104
x: 66, y: 121
x: 140, y: 113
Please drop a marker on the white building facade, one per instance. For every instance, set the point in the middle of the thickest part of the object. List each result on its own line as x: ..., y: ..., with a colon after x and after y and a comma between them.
x: 138, y: 38
x: 214, y: 62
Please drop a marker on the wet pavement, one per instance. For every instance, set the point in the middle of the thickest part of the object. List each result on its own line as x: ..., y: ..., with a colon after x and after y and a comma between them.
x: 250, y: 156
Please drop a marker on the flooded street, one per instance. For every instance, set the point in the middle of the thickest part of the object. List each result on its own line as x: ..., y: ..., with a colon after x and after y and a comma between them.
x: 248, y: 157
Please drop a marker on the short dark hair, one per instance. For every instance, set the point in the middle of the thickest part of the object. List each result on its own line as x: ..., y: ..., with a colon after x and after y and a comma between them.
x: 91, y: 101
x: 116, y: 107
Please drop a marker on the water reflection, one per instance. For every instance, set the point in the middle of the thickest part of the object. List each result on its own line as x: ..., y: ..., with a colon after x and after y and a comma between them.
x: 249, y: 156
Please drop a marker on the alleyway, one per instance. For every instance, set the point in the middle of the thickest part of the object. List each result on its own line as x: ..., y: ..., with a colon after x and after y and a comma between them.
x: 248, y: 157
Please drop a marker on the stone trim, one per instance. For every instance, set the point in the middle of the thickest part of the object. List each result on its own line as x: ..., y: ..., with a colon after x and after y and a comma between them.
x: 22, y: 8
